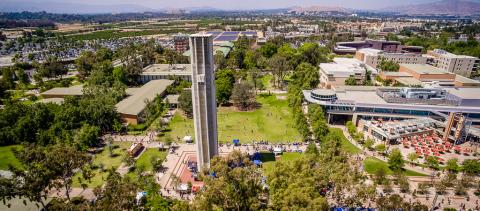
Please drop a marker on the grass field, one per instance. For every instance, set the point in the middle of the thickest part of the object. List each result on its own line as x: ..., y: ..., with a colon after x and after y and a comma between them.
x: 268, y: 159
x: 346, y: 144
x: 144, y: 159
x: 7, y: 157
x: 371, y: 165
x: 108, y: 162
x: 272, y: 122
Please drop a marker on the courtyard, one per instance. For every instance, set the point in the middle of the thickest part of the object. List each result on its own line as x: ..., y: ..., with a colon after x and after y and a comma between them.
x: 272, y: 122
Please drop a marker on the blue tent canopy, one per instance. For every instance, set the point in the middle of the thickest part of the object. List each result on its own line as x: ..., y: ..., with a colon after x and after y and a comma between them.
x: 236, y: 141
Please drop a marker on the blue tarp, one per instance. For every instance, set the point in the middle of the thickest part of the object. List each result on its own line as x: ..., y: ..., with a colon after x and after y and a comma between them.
x: 257, y: 162
x: 236, y: 142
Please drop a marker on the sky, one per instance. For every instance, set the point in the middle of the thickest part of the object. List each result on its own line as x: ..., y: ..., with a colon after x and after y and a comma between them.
x: 249, y: 4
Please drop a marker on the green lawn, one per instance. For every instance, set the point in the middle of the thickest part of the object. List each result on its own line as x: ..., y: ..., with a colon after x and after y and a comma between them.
x: 144, y: 159
x: 7, y: 157
x: 180, y: 126
x: 371, y: 165
x: 268, y: 159
x: 108, y: 162
x: 272, y: 122
x: 346, y: 144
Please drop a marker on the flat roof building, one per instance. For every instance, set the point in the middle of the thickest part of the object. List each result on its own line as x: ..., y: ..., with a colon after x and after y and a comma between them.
x: 62, y: 92
x: 354, y: 103
x: 166, y: 71
x: 335, y: 73
x: 458, y: 64
x: 373, y: 57
x: 425, y: 73
x: 132, y: 107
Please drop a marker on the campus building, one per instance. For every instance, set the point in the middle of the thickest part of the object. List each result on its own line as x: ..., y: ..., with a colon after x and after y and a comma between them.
x: 456, y: 109
x: 166, y: 71
x: 335, y: 73
x: 425, y: 75
x: 373, y: 57
x: 180, y: 42
x: 383, y: 45
x: 203, y: 98
x: 458, y: 64
x: 131, y: 108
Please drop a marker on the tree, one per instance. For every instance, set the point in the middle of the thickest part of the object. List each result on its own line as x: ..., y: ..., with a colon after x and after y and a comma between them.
x: 87, y: 137
x: 306, y: 75
x: 312, y: 149
x: 117, y: 194
x: 471, y: 167
x: 243, y: 95
x: 268, y: 50
x: 43, y: 168
x: 185, y: 102
x: 251, y: 59
x: 104, y: 54
x: 120, y: 75
x: 389, y: 66
x: 380, y: 176
x: 312, y: 53
x: 395, y: 160
x: 220, y: 61
x: 254, y: 78
x: 432, y: 162
x: 65, y: 161
x: 412, y: 157
x: 22, y: 76
x: 369, y: 143
x: 452, y: 165
x: 8, y: 78
x: 52, y: 68
x: 236, y: 185
x: 224, y: 82
x: 381, y: 148
x: 85, y: 63
x: 351, y: 81
x: 302, y: 124
x: 395, y: 202
x: 279, y: 67
x: 320, y: 130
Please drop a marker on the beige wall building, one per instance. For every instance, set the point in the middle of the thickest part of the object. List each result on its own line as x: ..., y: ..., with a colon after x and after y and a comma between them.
x: 458, y: 64
x: 372, y: 57
x: 335, y: 73
x: 131, y: 108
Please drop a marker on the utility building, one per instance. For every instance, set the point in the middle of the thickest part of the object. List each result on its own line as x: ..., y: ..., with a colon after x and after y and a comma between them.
x: 203, y: 98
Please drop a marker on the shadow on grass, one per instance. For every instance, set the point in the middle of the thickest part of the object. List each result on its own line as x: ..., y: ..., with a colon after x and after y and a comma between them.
x: 267, y: 157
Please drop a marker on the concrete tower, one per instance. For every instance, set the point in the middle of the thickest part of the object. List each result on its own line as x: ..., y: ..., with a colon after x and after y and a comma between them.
x: 203, y: 98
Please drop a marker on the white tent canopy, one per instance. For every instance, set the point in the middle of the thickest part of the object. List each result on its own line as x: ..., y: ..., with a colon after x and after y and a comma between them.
x: 188, y: 139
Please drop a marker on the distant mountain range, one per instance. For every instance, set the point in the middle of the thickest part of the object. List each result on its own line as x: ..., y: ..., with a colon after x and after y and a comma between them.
x: 316, y: 9
x: 445, y: 7
x: 71, y: 8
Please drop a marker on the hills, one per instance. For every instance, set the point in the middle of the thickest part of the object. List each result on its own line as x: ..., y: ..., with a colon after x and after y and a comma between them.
x: 445, y: 7
x: 318, y: 9
x: 71, y: 8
